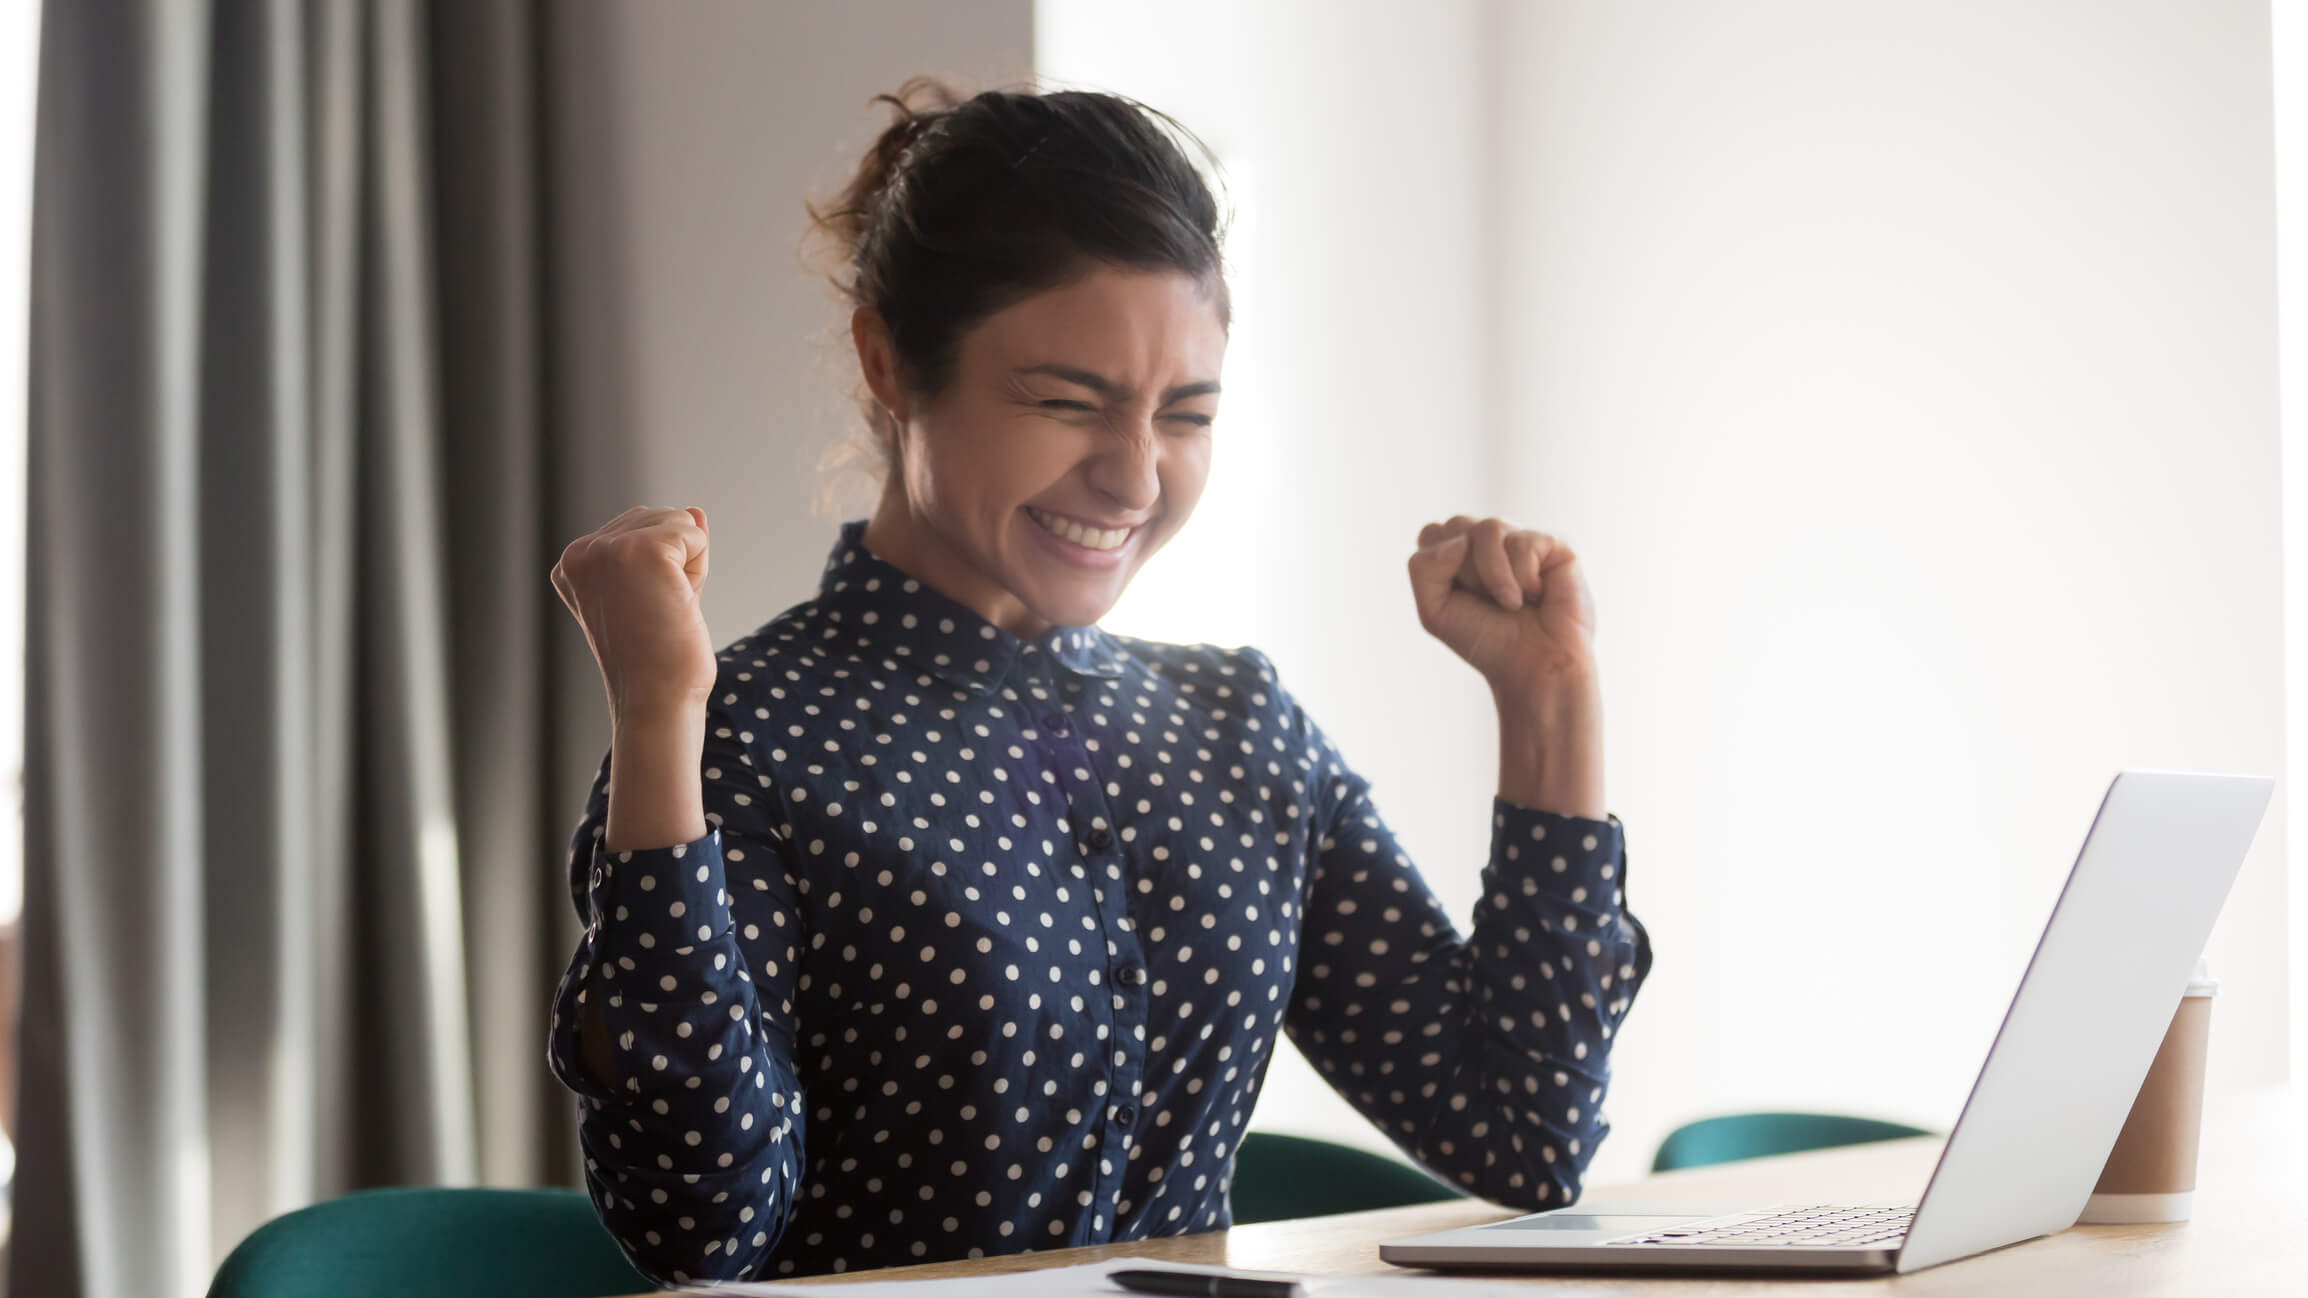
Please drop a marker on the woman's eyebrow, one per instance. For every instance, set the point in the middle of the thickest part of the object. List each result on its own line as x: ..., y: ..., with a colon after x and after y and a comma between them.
x: 1107, y: 387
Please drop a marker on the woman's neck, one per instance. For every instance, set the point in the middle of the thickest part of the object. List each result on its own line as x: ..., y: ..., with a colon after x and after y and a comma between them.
x: 897, y: 536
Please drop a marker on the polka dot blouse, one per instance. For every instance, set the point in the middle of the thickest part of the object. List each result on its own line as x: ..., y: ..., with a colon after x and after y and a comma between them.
x: 989, y: 940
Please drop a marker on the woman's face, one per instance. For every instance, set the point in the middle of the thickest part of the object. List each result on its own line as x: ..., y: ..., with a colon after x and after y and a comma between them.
x: 1072, y: 445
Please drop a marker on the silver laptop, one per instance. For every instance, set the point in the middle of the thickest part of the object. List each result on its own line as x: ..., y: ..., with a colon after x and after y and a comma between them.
x: 2090, y: 1012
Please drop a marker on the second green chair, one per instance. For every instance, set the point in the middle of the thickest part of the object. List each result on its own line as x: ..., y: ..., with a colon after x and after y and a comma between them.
x: 1760, y: 1135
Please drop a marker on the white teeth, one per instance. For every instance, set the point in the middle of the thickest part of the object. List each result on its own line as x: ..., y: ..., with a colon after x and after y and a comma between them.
x: 1089, y: 538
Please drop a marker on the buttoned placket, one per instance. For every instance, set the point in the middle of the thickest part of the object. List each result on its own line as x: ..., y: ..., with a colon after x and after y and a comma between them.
x: 1097, y: 848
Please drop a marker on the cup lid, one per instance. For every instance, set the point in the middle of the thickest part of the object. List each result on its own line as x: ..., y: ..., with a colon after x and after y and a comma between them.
x: 2201, y: 982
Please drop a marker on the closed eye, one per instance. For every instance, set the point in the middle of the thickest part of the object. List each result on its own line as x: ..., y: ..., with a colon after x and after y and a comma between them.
x: 1061, y: 403
x: 1065, y: 405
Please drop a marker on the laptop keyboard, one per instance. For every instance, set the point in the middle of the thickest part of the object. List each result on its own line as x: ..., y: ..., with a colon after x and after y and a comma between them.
x: 1812, y: 1227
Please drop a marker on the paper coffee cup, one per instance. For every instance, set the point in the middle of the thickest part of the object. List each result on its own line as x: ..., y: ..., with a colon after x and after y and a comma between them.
x: 2151, y: 1172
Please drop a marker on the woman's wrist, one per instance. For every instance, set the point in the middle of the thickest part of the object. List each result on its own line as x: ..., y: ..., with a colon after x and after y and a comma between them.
x: 1551, y: 746
x: 656, y: 707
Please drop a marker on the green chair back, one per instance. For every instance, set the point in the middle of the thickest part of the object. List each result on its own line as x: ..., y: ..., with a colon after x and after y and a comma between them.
x: 438, y: 1243
x: 1759, y: 1135
x: 1278, y: 1176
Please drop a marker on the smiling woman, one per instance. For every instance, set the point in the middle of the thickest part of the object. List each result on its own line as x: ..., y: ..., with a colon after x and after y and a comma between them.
x: 1042, y: 400
x: 931, y: 920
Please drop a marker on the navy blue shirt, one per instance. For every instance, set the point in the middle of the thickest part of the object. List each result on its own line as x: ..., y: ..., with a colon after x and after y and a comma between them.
x: 989, y: 940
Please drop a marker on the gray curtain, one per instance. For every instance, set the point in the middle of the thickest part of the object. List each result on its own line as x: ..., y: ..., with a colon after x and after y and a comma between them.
x: 291, y: 857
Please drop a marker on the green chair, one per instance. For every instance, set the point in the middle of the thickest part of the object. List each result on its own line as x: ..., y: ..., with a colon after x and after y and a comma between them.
x: 1759, y: 1135
x: 439, y: 1243
x: 1278, y: 1176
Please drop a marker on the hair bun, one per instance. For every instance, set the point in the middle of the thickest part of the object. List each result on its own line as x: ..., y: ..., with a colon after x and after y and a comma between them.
x: 919, y: 104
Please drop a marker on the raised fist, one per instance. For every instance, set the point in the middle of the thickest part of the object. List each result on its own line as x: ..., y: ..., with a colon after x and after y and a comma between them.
x: 633, y: 585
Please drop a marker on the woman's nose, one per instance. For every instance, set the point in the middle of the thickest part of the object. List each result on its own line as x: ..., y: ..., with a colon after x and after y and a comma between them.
x: 1129, y: 469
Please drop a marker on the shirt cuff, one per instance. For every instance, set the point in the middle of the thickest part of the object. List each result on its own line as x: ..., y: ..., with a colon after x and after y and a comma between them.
x: 1576, y: 858
x: 659, y: 900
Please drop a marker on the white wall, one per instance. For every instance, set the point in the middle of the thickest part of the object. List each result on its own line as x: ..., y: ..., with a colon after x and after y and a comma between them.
x: 1907, y: 374
x: 2288, y: 33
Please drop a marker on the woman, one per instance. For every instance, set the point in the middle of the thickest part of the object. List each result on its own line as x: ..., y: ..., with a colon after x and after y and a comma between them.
x: 929, y: 919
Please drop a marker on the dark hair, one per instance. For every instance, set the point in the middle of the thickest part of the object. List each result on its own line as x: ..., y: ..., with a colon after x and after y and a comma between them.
x: 964, y: 207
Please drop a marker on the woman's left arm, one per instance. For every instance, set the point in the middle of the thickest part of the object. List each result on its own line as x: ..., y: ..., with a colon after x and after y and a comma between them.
x: 1486, y: 1057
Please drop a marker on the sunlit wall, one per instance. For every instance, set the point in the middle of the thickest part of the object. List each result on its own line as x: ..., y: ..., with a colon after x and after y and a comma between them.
x: 2288, y: 24
x: 1905, y: 375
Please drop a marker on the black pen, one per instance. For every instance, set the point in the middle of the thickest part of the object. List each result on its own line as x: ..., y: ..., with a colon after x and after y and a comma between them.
x: 1203, y: 1284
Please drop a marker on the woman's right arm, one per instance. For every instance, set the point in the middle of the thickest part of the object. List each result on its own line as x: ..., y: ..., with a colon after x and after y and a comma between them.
x: 674, y: 1024
x: 690, y: 1111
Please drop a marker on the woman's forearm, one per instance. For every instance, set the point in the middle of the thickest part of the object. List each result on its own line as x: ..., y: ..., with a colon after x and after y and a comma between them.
x: 656, y: 794
x: 656, y: 799
x: 1551, y: 745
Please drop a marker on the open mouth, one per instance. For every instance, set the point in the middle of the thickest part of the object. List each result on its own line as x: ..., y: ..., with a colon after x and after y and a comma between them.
x: 1089, y: 538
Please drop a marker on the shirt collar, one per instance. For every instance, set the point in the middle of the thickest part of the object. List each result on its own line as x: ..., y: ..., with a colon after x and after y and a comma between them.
x: 873, y: 604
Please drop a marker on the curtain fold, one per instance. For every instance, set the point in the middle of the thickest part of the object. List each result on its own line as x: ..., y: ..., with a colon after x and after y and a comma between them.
x: 290, y: 854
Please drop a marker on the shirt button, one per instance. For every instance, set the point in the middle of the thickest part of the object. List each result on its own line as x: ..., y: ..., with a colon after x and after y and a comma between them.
x: 1125, y: 1114
x: 1099, y: 839
x: 1130, y: 975
x: 1055, y: 723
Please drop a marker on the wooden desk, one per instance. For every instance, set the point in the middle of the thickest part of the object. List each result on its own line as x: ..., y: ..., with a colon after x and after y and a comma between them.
x: 2249, y: 1235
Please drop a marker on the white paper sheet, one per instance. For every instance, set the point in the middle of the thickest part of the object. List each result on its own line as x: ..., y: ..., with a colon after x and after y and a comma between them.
x: 1088, y: 1280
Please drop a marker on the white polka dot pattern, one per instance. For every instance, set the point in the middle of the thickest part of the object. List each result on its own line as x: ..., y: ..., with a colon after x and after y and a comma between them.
x: 990, y: 939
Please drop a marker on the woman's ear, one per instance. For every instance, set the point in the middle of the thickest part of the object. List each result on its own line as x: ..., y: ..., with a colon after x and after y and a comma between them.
x: 877, y: 359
